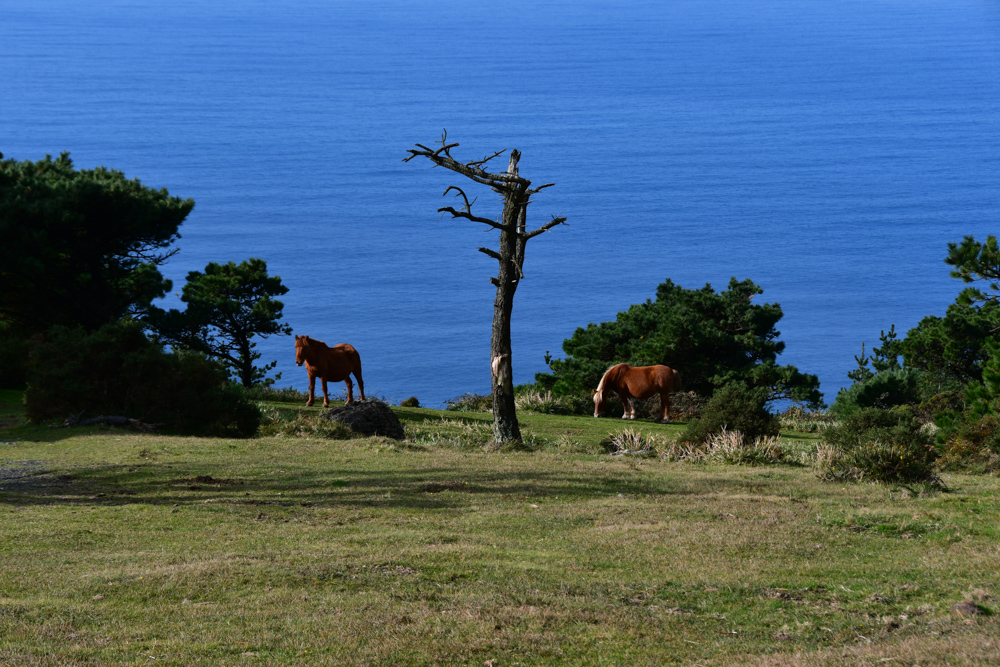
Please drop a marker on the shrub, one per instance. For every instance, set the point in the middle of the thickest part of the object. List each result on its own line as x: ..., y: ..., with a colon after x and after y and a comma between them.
x: 888, y: 446
x: 972, y: 445
x: 883, y: 390
x: 13, y: 357
x: 411, y: 402
x: 116, y: 370
x: 735, y: 407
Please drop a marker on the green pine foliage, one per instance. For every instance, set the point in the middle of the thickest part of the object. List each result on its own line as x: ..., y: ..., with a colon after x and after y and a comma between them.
x: 118, y: 371
x: 712, y: 338
x: 228, y: 305
x: 882, y: 390
x: 80, y: 247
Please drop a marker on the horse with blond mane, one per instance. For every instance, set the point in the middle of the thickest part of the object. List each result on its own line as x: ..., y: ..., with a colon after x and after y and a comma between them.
x: 333, y: 364
x: 637, y: 382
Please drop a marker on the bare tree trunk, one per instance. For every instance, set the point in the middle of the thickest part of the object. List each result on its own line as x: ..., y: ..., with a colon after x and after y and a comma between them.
x: 505, y: 426
x: 514, y: 236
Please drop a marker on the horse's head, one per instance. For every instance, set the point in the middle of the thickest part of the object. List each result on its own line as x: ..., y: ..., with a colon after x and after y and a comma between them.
x: 300, y: 349
x: 598, y: 402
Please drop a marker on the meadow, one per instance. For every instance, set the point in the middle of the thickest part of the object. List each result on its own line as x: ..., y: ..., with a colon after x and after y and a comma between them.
x: 125, y: 549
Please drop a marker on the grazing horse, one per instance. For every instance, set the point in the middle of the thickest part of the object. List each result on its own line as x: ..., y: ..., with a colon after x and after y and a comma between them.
x: 637, y: 382
x: 333, y: 364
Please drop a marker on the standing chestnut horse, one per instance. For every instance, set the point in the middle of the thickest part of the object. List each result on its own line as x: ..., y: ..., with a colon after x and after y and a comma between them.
x: 637, y: 382
x: 333, y: 364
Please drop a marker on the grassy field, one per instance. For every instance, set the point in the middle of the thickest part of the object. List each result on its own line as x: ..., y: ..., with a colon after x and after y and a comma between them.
x: 127, y: 549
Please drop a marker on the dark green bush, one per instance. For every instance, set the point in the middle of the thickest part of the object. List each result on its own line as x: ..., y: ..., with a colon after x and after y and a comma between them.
x: 411, y: 402
x: 888, y: 446
x: 735, y: 407
x: 883, y: 390
x: 116, y: 370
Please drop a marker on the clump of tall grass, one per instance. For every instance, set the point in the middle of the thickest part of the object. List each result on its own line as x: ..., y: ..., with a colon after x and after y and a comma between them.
x: 731, y: 447
x: 543, y: 402
x: 470, y: 403
x: 450, y: 433
x: 799, y: 419
x: 723, y: 447
x: 283, y: 422
x: 273, y: 395
x: 634, y: 442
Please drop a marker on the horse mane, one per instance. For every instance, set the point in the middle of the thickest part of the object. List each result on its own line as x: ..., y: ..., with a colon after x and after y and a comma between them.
x: 317, y: 343
x: 604, y: 378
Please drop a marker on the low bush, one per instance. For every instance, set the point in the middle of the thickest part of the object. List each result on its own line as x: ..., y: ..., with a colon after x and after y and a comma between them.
x: 116, y: 370
x: 972, y: 445
x: 411, y: 402
x: 887, y: 446
x: 735, y: 407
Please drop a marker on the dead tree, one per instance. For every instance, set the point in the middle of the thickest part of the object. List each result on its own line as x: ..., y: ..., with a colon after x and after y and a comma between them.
x: 511, y: 223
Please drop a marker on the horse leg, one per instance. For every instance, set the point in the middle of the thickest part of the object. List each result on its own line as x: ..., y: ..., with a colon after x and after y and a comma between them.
x: 665, y: 399
x: 350, y: 389
x: 312, y: 391
x: 326, y: 398
x: 629, y: 412
x: 357, y: 374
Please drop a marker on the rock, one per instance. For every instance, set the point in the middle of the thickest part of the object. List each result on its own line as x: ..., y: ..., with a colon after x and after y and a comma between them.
x: 370, y: 417
x: 966, y: 608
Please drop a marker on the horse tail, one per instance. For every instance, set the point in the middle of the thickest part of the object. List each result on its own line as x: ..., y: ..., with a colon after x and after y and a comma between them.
x: 678, y: 384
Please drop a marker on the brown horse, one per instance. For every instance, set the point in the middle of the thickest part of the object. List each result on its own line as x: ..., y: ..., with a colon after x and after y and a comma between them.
x: 333, y: 364
x: 637, y: 382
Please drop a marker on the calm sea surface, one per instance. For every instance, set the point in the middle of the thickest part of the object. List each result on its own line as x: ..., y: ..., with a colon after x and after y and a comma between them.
x: 827, y: 149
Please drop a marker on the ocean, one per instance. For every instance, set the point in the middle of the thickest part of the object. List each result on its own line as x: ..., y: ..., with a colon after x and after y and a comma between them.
x: 826, y: 149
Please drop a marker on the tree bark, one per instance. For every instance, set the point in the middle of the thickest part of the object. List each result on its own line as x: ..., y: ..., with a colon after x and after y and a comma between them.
x: 505, y: 426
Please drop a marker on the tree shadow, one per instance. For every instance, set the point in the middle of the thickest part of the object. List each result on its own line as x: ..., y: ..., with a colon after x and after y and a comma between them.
x: 422, y: 488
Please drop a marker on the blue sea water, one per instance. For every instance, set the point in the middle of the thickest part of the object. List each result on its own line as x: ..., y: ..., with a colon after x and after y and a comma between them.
x: 827, y: 149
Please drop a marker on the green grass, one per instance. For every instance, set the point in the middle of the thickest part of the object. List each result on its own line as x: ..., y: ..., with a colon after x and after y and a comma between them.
x: 126, y: 549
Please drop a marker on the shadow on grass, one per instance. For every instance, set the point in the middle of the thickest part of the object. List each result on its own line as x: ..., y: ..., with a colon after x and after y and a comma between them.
x: 37, y: 483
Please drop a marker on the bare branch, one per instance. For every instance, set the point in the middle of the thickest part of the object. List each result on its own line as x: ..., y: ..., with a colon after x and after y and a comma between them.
x: 475, y: 218
x: 479, y: 163
x: 461, y: 193
x: 540, y: 187
x: 561, y: 220
x: 491, y: 253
